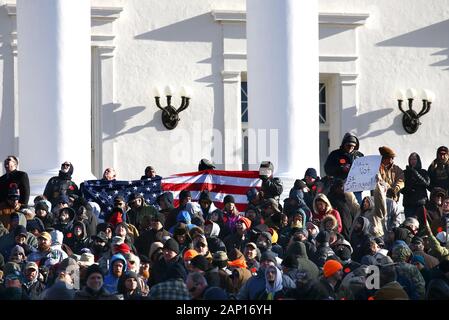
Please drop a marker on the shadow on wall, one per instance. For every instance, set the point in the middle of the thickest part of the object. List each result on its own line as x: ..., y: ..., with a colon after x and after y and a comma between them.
x: 203, y: 32
x: 113, y: 129
x: 433, y: 36
x: 367, y: 121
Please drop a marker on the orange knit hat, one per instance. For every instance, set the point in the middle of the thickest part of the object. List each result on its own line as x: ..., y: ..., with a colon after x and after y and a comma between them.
x: 331, y: 267
x: 190, y: 254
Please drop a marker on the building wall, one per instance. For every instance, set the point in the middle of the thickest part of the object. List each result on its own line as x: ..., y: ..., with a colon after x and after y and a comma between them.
x: 402, y: 44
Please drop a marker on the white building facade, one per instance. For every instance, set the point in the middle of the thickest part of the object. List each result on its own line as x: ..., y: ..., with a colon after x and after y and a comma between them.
x: 355, y: 55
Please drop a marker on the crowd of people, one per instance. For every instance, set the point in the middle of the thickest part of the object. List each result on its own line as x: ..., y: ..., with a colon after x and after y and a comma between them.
x: 320, y: 243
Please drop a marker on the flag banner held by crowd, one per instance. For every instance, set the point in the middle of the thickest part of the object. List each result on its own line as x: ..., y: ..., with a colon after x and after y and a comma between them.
x: 219, y: 183
x: 362, y: 175
x: 103, y: 192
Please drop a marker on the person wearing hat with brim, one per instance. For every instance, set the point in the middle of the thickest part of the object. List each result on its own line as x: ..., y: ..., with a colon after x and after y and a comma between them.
x: 94, y: 288
x: 391, y: 173
x: 438, y: 170
x: 32, y: 283
x: 45, y: 255
x: 270, y: 207
x: 220, y: 261
x: 339, y: 161
x: 252, y: 255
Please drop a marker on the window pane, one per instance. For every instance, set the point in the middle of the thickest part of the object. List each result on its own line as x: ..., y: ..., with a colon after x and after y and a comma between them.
x: 244, y: 99
x: 324, y: 149
x: 322, y: 104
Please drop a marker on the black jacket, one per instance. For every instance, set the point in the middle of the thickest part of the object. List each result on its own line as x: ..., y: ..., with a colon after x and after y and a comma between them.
x: 416, y: 183
x: 21, y: 179
x: 339, y: 161
x: 272, y: 187
x: 60, y: 185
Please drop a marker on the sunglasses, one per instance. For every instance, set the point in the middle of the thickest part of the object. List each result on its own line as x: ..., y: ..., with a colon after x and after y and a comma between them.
x: 65, y: 165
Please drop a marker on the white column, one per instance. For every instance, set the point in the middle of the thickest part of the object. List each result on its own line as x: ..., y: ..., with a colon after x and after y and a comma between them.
x: 283, y: 76
x: 54, y: 63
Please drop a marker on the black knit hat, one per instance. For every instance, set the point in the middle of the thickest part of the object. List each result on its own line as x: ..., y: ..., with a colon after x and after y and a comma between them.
x: 172, y: 245
x: 311, y: 172
x: 228, y: 198
x: 94, y: 268
x: 159, y: 217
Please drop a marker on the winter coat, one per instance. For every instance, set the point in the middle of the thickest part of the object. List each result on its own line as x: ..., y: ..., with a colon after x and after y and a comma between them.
x: 298, y: 250
x: 161, y: 269
x: 438, y: 289
x: 416, y: 183
x: 255, y: 286
x: 213, y: 242
x: 33, y: 289
x: 21, y: 179
x: 243, y: 275
x: 60, y: 185
x: 6, y: 211
x: 360, y: 241
x: 339, y: 162
x: 377, y: 213
x: 439, y: 175
x: 347, y: 206
x: 393, y: 177
x: 110, y: 280
x: 391, y: 291
x: 322, y: 290
x: 272, y: 187
x: 60, y: 290
x: 411, y: 280
x: 323, y: 252
x: 145, y: 240
x: 318, y: 216
x: 298, y: 196
x: 77, y: 243
x: 89, y: 294
x: 7, y: 241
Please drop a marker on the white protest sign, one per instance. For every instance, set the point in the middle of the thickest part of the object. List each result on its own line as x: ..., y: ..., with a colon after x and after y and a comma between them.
x: 362, y: 175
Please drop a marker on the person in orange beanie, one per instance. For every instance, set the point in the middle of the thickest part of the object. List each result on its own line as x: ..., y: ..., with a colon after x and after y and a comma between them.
x: 327, y: 286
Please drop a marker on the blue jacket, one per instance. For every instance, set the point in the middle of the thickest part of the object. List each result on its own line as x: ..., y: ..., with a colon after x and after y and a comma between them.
x: 110, y: 281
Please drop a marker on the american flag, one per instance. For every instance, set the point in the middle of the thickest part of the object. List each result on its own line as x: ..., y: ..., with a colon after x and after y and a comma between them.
x: 219, y: 183
x: 103, y: 192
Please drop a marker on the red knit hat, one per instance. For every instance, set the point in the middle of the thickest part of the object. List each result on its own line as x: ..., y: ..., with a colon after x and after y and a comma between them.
x: 331, y: 267
x: 122, y: 248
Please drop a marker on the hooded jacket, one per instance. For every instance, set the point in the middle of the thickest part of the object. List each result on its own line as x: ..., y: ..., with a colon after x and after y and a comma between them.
x: 111, y: 281
x: 60, y: 185
x: 359, y: 241
x: 77, y: 243
x: 439, y: 174
x: 214, y: 243
x: 339, y: 161
x: 318, y: 216
x: 416, y: 183
x: 377, y: 212
x: 298, y: 196
x: 298, y: 250
x: 7, y: 241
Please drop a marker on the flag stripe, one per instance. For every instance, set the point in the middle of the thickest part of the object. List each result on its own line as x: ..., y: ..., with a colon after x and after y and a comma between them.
x: 212, y: 179
x: 219, y: 183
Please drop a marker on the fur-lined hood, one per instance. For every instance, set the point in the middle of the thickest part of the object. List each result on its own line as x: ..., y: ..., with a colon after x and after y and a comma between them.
x: 326, y: 219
